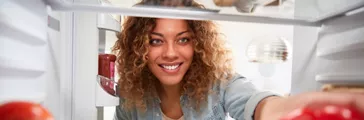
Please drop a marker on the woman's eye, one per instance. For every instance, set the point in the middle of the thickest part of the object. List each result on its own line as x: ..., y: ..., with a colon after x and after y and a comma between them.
x: 155, y: 42
x: 183, y: 40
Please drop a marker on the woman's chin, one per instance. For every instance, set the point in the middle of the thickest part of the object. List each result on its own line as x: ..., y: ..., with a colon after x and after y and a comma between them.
x: 170, y: 81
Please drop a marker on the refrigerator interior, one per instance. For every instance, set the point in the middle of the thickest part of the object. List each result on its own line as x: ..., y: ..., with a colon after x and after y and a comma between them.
x: 52, y: 56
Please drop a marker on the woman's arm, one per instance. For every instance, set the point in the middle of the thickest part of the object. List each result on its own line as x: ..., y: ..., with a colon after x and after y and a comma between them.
x: 241, y: 98
x: 266, y: 107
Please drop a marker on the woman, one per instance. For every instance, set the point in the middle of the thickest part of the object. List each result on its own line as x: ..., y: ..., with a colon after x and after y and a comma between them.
x: 179, y: 69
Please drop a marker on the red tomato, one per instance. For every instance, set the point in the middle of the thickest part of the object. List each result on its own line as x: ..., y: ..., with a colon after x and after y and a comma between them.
x: 21, y: 110
x: 299, y: 114
x: 331, y: 112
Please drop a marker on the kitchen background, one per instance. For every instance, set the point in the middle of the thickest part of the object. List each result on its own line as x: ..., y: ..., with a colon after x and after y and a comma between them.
x: 275, y: 77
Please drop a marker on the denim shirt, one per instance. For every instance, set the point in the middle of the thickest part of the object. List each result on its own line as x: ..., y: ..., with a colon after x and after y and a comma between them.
x: 238, y: 97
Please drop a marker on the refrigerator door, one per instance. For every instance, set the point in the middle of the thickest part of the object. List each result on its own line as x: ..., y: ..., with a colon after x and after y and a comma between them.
x: 34, y: 59
x: 24, y: 50
x: 332, y: 54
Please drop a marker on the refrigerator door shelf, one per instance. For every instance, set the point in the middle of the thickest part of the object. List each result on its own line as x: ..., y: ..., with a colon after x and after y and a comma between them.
x: 341, y: 78
x: 106, y: 94
x: 107, y: 22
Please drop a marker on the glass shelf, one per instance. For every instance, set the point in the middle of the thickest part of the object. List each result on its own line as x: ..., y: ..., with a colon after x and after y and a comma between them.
x: 315, y: 11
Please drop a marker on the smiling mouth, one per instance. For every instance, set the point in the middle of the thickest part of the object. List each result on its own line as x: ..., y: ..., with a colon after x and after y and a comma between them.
x: 171, y: 66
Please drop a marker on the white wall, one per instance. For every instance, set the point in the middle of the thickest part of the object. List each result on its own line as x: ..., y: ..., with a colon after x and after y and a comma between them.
x: 239, y: 35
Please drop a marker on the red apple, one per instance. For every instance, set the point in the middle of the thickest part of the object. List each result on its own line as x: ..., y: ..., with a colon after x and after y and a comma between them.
x: 299, y: 114
x: 332, y: 112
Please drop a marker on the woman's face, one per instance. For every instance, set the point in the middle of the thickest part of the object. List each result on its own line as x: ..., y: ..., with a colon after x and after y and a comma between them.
x: 170, y: 50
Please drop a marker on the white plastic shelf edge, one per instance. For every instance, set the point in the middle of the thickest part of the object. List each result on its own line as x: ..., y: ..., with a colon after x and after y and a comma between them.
x: 106, y: 22
x: 338, y: 12
x: 155, y: 12
x: 341, y: 78
x: 344, y: 52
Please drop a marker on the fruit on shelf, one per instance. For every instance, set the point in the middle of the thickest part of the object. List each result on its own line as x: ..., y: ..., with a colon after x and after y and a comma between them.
x: 23, y: 110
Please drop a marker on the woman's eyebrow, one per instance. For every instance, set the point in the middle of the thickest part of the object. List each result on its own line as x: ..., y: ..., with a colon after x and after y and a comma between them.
x: 158, y: 34
x: 182, y: 33
x: 161, y: 35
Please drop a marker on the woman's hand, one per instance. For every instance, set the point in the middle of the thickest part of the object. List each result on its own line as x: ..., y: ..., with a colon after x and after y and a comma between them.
x: 274, y: 109
x: 328, y: 112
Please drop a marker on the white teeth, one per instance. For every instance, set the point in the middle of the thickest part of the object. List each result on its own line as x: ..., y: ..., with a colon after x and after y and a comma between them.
x: 170, y: 67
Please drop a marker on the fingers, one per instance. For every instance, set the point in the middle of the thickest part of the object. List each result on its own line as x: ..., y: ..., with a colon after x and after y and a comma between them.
x: 302, y: 104
x: 355, y: 100
x: 359, y: 103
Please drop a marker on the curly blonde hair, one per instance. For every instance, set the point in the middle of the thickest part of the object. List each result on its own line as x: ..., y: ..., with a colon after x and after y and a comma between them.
x: 211, y: 62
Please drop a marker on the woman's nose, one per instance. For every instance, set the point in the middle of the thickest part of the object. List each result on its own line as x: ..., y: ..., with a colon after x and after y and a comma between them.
x: 170, y: 53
